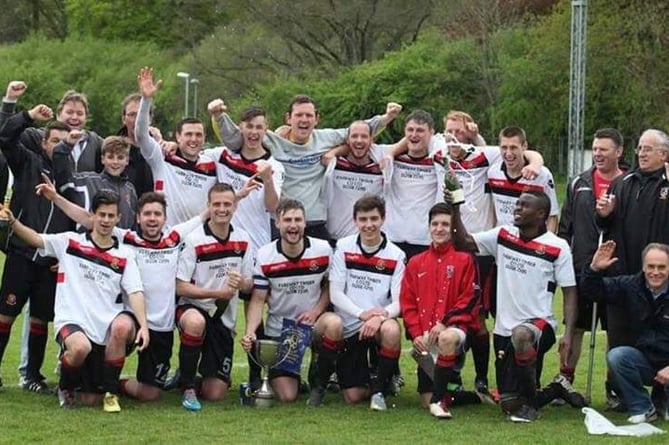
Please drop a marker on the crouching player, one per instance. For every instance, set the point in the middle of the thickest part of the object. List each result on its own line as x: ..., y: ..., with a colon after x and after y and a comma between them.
x: 365, y: 283
x: 291, y: 276
x: 157, y: 254
x: 91, y: 326
x: 440, y: 308
x: 215, y: 265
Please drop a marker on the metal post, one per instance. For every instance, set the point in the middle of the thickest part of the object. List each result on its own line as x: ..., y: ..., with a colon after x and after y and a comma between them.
x: 186, y: 78
x: 579, y: 27
x: 195, y: 83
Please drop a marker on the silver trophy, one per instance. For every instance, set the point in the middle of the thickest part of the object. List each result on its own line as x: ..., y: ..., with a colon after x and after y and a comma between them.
x: 266, y: 356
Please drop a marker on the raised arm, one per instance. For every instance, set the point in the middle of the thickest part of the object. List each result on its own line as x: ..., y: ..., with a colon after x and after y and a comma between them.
x: 148, y: 146
x: 15, y: 89
x: 25, y: 233
x: 462, y: 239
x: 73, y: 211
x: 225, y: 127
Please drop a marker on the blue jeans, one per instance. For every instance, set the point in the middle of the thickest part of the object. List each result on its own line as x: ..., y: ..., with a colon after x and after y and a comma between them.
x: 631, y: 372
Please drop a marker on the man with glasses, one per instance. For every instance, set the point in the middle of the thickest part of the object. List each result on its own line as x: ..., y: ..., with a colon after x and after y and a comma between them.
x: 634, y: 213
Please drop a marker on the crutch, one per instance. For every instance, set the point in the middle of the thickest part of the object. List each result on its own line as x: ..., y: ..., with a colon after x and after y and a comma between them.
x: 593, y: 338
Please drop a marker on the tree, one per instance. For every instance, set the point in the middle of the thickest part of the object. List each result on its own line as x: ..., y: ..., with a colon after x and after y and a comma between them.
x: 19, y: 19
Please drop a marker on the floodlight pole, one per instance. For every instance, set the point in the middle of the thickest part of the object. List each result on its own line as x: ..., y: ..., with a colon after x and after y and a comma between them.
x: 186, y: 78
x: 579, y: 25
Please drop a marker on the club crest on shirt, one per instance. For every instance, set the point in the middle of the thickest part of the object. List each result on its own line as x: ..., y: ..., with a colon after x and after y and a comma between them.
x: 168, y: 242
x: 541, y: 250
x: 380, y: 265
x: 450, y: 271
x: 10, y: 299
x: 237, y: 248
x: 313, y: 265
x: 664, y: 193
x: 114, y: 263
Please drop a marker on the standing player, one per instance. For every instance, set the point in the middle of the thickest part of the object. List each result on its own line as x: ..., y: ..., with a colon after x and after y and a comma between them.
x: 215, y: 265
x: 91, y: 326
x: 531, y: 262
x: 440, y: 309
x: 506, y: 181
x: 157, y: 253
x: 412, y: 186
x: 365, y: 283
x: 291, y: 277
x: 301, y: 152
x: 185, y: 177
x: 350, y: 177
x: 578, y: 228
x: 257, y: 179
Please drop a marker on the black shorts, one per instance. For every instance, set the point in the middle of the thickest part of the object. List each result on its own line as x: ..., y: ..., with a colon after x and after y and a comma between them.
x: 217, y: 348
x: 506, y: 367
x: 584, y: 319
x: 92, y: 371
x: 23, y: 279
x: 353, y: 363
x: 153, y: 363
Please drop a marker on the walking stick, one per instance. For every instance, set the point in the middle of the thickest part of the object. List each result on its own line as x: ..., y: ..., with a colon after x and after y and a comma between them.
x: 593, y: 338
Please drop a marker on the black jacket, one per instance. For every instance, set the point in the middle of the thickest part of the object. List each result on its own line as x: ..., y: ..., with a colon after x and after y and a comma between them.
x: 138, y: 171
x: 32, y: 210
x: 641, y: 216
x: 80, y: 188
x: 90, y: 159
x: 577, y: 219
x: 649, y: 318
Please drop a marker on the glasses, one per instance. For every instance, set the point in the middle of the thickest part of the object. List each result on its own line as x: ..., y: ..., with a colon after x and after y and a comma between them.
x: 645, y: 149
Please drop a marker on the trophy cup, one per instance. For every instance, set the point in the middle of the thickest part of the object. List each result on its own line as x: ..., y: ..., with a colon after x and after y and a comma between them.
x: 266, y: 356
x: 285, y: 355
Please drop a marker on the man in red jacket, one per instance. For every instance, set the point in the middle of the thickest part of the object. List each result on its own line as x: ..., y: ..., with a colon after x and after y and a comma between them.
x: 440, y: 309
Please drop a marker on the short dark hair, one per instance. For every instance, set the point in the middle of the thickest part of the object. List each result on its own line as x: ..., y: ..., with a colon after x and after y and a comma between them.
x: 441, y: 208
x: 150, y: 198
x: 252, y: 112
x: 421, y: 117
x: 55, y: 125
x: 544, y: 200
x: 301, y: 99
x: 286, y: 204
x: 513, y: 131
x: 610, y: 133
x: 105, y: 197
x: 220, y: 187
x: 188, y: 120
x: 370, y: 202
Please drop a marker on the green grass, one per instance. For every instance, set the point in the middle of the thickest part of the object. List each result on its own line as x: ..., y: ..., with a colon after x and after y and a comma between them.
x: 31, y: 418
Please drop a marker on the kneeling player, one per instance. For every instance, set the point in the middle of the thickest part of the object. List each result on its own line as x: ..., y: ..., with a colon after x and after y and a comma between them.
x: 440, y: 309
x: 365, y: 283
x: 215, y: 264
x: 91, y: 326
x: 157, y: 254
x: 291, y: 276
x: 532, y: 262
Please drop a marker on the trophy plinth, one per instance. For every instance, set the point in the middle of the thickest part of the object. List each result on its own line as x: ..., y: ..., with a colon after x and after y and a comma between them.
x: 266, y: 356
